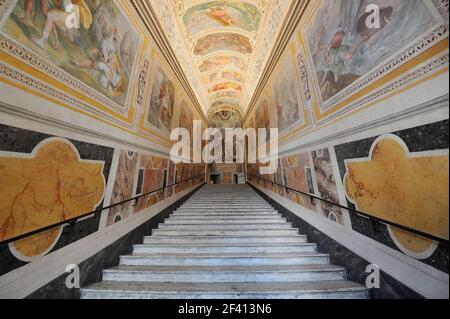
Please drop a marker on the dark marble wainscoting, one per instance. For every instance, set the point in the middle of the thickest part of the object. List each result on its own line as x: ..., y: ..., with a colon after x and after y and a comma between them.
x: 92, y: 268
x: 390, y: 288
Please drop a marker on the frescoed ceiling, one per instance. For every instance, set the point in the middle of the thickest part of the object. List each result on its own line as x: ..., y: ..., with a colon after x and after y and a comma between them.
x: 222, y: 45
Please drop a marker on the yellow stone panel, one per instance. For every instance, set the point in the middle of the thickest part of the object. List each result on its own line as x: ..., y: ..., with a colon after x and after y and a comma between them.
x: 49, y: 187
x: 408, y: 189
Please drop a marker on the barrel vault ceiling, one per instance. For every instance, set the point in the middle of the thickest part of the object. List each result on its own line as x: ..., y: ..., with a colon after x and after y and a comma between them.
x: 222, y: 46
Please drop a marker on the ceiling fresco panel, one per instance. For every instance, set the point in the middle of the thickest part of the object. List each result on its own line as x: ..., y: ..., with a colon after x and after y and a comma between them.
x: 221, y: 14
x: 226, y: 94
x: 224, y: 76
x: 220, y: 62
x: 223, y: 42
x: 226, y: 86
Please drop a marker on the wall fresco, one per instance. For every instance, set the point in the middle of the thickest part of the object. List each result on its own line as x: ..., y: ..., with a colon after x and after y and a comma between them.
x: 162, y: 101
x: 343, y: 48
x: 286, y: 97
x: 100, y: 53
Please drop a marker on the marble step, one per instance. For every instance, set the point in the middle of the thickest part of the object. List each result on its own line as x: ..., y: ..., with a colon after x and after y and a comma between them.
x: 234, y: 202
x: 241, y: 274
x: 239, y: 199
x: 225, y: 203
x: 224, y: 259
x: 226, y: 195
x: 261, y: 239
x: 225, y: 226
x: 227, y: 209
x: 225, y: 242
x: 285, y: 290
x: 227, y: 206
x: 226, y: 215
x: 225, y: 232
x: 176, y: 220
x: 242, y: 215
x: 227, y: 212
x: 240, y: 248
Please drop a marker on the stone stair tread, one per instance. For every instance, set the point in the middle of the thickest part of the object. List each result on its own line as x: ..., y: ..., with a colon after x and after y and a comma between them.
x: 221, y: 237
x: 162, y: 245
x: 226, y: 227
x: 260, y: 287
x: 229, y: 214
x: 225, y: 242
x: 216, y: 221
x: 225, y: 255
x: 223, y: 232
x: 229, y: 223
x: 211, y: 269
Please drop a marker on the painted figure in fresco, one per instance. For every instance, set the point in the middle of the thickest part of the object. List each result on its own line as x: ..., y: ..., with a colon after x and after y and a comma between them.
x: 262, y: 119
x: 105, y: 58
x: 89, y: 39
x: 220, y: 15
x: 160, y: 113
x: 57, y: 19
x: 165, y: 109
x: 226, y: 86
x: 287, y: 112
x: 223, y: 41
x: 29, y: 12
x: 219, y: 62
x: 344, y: 47
x: 338, y: 55
x: 127, y: 51
x: 335, y: 55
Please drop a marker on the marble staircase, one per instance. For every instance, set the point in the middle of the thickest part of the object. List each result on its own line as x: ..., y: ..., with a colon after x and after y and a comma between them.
x: 225, y: 242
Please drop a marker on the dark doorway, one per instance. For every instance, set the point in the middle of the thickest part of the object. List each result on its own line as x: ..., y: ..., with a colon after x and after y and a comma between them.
x: 216, y: 178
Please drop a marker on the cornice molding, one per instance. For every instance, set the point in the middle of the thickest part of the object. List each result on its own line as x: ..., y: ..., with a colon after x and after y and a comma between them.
x: 295, y: 13
x: 154, y: 28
